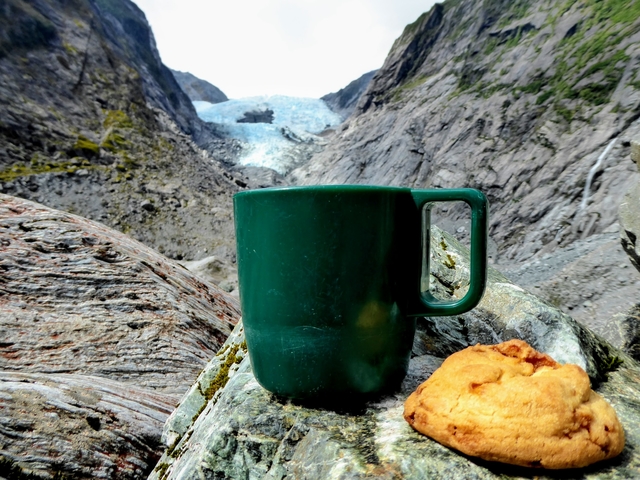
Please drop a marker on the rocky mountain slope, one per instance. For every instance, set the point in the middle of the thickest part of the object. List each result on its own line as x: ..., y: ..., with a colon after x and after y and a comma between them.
x: 515, y: 98
x: 518, y: 99
x: 198, y: 89
x: 93, y: 123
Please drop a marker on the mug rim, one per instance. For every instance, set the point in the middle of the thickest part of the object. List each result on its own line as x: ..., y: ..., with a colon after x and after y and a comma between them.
x: 323, y: 188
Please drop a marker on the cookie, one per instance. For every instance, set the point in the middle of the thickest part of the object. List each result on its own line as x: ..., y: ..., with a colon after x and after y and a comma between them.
x: 512, y: 404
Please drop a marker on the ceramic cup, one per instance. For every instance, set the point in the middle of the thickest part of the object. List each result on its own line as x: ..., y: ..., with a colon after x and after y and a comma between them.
x: 330, y: 279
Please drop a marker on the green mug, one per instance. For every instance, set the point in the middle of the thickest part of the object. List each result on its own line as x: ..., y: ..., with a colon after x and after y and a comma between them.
x: 330, y: 280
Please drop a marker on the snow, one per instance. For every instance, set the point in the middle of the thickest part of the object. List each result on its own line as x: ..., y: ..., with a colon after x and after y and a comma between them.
x: 295, y: 121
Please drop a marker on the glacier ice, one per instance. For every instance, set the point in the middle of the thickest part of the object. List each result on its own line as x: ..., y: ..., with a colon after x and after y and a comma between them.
x: 296, y: 122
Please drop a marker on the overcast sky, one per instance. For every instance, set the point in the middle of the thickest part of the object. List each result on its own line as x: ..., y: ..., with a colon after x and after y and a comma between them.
x: 304, y: 48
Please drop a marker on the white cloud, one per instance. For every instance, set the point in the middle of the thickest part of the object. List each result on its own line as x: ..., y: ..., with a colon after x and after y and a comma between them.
x: 291, y: 47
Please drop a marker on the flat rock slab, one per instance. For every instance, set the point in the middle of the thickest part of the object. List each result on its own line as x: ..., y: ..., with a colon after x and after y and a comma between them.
x: 84, y: 308
x: 228, y: 427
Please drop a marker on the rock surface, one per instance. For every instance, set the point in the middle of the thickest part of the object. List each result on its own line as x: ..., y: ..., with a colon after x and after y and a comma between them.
x: 198, y: 89
x: 123, y: 29
x: 629, y: 212
x: 257, y: 116
x: 100, y: 337
x: 227, y: 426
x: 592, y: 280
x: 78, y: 426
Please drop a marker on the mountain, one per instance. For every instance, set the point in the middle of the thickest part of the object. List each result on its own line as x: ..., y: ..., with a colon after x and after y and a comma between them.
x: 519, y: 99
x: 93, y: 123
x: 344, y: 101
x: 198, y: 89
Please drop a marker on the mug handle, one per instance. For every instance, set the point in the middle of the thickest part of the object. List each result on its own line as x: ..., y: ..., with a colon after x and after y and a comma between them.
x: 431, y: 306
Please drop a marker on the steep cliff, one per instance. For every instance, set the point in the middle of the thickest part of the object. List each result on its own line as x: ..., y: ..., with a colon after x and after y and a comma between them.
x: 517, y: 98
x: 93, y: 123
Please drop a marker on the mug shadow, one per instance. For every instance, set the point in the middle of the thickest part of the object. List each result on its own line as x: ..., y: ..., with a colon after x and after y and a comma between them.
x: 353, y: 405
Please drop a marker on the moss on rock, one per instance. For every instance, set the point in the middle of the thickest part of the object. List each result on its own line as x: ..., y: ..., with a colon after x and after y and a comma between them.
x: 114, y: 142
x: 86, y: 147
x: 117, y: 118
x: 38, y: 167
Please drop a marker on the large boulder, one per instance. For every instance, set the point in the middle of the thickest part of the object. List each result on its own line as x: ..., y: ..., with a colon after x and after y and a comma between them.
x: 101, y: 336
x: 227, y: 426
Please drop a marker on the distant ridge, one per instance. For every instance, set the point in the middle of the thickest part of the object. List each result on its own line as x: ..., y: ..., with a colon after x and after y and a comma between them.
x: 344, y: 101
x: 198, y: 89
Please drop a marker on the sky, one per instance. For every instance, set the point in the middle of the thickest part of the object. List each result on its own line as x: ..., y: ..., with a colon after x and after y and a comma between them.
x: 301, y: 48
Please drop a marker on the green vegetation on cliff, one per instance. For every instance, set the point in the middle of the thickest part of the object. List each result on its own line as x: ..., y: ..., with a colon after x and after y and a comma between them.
x: 39, y: 166
x: 589, y: 61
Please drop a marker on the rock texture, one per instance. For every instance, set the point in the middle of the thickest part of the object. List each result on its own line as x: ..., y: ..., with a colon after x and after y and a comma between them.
x: 93, y: 123
x: 629, y: 322
x: 592, y: 280
x: 227, y: 426
x: 198, y: 89
x: 123, y: 29
x: 100, y: 338
x: 344, y: 101
x: 78, y: 426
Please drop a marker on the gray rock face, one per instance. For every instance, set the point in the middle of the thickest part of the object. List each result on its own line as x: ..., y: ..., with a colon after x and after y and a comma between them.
x: 344, y: 101
x: 78, y: 426
x: 93, y: 123
x: 100, y: 338
x: 125, y: 30
x: 629, y: 212
x: 628, y: 324
x: 198, y: 89
x: 591, y: 279
x: 227, y: 426
x: 501, y: 96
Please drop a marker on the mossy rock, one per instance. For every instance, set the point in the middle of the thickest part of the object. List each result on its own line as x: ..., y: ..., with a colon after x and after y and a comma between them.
x: 86, y: 148
x: 117, y: 118
x: 37, y: 167
x: 114, y: 142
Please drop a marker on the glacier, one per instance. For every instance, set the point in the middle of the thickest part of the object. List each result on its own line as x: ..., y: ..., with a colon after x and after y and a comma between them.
x: 280, y: 145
